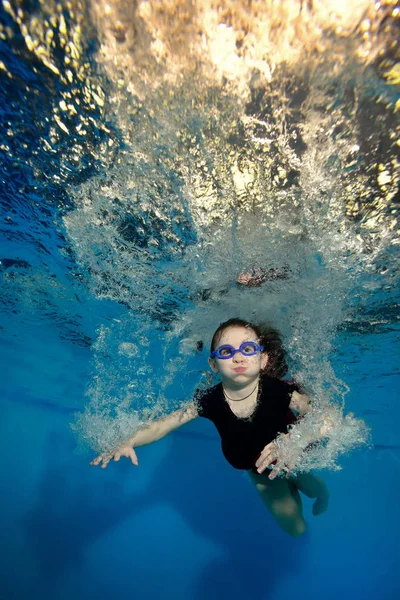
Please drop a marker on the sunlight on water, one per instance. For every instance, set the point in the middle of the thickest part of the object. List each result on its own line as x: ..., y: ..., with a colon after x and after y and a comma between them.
x: 226, y: 136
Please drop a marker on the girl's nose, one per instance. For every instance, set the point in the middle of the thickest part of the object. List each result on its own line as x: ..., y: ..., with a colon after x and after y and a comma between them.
x: 238, y: 357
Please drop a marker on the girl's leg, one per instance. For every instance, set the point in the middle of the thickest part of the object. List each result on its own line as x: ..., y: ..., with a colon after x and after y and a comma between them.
x: 283, y: 501
x: 313, y: 487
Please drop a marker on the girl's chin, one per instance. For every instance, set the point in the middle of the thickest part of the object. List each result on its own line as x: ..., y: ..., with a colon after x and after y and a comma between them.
x: 243, y: 378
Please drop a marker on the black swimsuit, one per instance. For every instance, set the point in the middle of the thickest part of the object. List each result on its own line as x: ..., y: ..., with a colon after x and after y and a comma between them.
x: 242, y: 440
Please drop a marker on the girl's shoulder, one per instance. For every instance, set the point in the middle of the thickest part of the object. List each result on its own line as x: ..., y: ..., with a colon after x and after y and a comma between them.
x: 204, y: 395
x: 204, y: 399
x: 277, y: 381
x: 277, y: 386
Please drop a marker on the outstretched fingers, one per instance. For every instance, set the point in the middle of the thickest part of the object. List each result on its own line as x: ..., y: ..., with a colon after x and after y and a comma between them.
x: 272, y: 457
x: 104, y: 459
x: 267, y: 456
x: 101, y: 459
x: 128, y: 453
x: 280, y: 467
x: 132, y: 455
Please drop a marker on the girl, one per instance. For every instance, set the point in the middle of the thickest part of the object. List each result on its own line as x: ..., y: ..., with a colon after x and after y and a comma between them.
x: 249, y: 408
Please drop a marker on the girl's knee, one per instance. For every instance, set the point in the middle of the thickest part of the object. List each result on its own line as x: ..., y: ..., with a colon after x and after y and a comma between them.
x: 261, y: 488
x: 285, y: 508
x: 298, y: 528
x: 289, y: 517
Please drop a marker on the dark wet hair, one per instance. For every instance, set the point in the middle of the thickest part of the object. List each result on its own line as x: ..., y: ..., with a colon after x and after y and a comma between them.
x: 268, y: 337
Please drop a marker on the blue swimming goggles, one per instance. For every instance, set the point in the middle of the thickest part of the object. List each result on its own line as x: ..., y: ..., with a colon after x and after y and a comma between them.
x: 246, y: 348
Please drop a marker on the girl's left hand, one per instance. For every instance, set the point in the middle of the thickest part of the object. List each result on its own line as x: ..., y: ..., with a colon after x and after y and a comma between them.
x: 270, y: 454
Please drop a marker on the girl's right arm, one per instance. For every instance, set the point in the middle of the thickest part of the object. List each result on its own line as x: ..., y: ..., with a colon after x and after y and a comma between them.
x: 147, y: 435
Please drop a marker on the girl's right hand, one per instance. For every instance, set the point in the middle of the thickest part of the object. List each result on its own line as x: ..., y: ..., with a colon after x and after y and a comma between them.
x: 124, y: 450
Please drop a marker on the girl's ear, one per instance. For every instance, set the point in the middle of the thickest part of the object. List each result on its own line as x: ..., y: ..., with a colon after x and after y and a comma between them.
x: 213, y: 364
x: 264, y: 360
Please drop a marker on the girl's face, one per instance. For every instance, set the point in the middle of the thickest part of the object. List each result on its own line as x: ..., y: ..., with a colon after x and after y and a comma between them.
x: 239, y: 370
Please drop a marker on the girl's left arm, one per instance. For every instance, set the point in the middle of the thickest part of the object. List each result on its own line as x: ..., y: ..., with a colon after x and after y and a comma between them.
x: 300, y: 403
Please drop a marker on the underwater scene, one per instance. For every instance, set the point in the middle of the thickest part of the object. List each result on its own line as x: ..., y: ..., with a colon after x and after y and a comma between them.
x: 166, y: 166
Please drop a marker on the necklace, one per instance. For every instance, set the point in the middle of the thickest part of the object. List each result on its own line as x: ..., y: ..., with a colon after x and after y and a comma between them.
x: 240, y: 399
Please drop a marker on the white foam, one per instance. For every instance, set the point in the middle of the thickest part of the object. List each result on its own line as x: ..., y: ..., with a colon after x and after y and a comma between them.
x: 182, y: 210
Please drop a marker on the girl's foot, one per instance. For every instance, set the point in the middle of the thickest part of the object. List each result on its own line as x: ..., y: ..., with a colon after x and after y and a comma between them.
x: 321, y: 504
